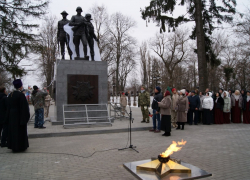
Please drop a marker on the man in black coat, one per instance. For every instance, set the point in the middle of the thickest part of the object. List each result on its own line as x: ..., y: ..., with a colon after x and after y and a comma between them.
x: 156, y: 115
x: 3, y: 109
x: 17, y: 118
x: 194, y: 104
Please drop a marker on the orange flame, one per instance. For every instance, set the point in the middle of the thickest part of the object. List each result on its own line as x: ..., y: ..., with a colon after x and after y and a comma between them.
x: 173, y: 148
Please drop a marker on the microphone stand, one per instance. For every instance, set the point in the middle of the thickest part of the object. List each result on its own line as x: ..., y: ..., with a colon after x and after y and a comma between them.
x: 130, y: 146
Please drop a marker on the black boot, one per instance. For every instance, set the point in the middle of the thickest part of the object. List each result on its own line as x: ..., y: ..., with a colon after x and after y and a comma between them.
x: 92, y: 58
x: 179, y: 125
x: 167, y: 134
x: 182, y: 124
x: 63, y: 57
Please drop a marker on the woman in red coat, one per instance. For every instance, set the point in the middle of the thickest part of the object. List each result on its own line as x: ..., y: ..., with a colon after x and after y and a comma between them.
x: 236, y: 102
x: 246, y: 108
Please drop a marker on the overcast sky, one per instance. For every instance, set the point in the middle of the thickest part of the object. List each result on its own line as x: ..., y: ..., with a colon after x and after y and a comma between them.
x: 127, y: 7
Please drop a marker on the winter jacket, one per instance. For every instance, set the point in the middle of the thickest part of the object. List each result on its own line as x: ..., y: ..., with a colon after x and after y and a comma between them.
x: 3, y: 107
x: 144, y: 99
x: 123, y: 100
x: 219, y: 103
x: 175, y: 98
x: 38, y: 99
x: 244, y: 104
x: 157, y: 98
x: 165, y: 105
x: 227, y: 102
x: 194, y: 102
x: 182, y: 104
x: 233, y: 100
x: 208, y: 102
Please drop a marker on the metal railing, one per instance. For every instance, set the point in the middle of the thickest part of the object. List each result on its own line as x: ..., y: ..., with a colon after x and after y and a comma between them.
x: 115, y: 111
x: 85, y: 114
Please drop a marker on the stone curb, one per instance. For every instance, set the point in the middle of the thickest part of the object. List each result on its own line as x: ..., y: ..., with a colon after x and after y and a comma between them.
x: 79, y: 133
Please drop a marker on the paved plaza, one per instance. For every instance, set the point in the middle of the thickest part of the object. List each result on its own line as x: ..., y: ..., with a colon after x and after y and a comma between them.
x: 223, y: 150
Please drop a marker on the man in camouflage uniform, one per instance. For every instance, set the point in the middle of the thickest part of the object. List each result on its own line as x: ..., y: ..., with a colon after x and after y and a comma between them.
x: 144, y: 102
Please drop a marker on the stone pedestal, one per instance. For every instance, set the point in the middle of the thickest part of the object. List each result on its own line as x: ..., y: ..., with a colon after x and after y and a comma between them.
x: 72, y: 75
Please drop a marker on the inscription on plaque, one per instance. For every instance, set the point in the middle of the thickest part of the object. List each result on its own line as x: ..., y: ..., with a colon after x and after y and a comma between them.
x: 82, y: 89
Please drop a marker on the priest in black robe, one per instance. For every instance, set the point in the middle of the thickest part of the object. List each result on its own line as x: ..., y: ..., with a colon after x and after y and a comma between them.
x: 17, y: 118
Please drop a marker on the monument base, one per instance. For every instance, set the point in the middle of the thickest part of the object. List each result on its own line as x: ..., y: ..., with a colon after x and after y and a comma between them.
x: 66, y: 88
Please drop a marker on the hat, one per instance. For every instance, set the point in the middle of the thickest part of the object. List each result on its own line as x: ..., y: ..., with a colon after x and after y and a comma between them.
x: 64, y: 12
x: 167, y: 93
x: 88, y: 16
x: 183, y: 91
x: 158, y: 88
x: 78, y: 8
x: 35, y: 87
x: 192, y: 91
x: 173, y: 89
x: 17, y: 83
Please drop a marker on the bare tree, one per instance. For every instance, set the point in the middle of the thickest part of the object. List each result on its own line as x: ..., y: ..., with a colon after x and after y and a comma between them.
x: 171, y: 49
x: 121, y: 42
x: 48, y: 50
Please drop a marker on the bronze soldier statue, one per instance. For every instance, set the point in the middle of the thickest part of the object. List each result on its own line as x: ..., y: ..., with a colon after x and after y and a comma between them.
x: 79, y: 23
x: 91, y: 35
x: 62, y: 36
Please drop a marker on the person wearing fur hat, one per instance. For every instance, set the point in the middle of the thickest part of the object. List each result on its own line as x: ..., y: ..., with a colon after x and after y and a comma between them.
x: 182, y: 106
x: 156, y: 110
x: 38, y: 101
x: 226, y: 107
x: 246, y: 108
x: 17, y: 117
x: 208, y: 104
x: 218, y: 109
x: 175, y: 97
x: 236, y: 102
x: 165, y: 110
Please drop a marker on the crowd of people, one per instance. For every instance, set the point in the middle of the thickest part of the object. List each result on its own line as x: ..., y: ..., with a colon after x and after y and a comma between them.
x: 15, y: 114
x: 177, y: 108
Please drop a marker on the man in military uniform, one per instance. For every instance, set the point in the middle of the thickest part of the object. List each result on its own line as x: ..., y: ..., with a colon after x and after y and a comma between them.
x: 144, y: 102
x: 79, y: 23
x: 91, y: 35
x: 62, y: 36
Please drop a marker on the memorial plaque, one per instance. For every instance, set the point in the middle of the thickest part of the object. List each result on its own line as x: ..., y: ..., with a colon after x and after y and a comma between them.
x: 82, y: 89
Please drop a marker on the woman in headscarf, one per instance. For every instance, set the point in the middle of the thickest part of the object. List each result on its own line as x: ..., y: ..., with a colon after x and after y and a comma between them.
x: 17, y: 117
x: 218, y: 109
x: 165, y: 111
x: 182, y: 106
x: 243, y: 93
x: 226, y: 107
x: 207, y: 106
x: 236, y: 101
x: 246, y: 108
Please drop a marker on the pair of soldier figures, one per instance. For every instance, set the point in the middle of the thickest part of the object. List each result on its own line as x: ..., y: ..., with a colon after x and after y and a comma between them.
x: 83, y: 31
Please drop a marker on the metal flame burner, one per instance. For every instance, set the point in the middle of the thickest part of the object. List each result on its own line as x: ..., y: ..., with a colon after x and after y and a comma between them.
x: 163, y: 159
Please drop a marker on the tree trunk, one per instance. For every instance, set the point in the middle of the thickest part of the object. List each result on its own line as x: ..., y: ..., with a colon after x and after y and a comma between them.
x: 202, y: 63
